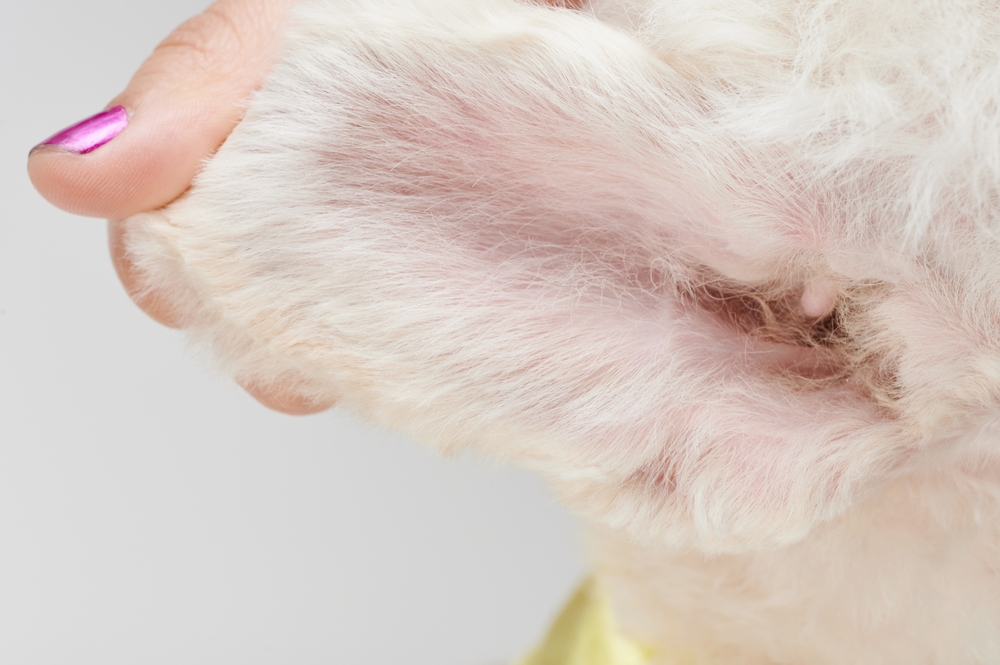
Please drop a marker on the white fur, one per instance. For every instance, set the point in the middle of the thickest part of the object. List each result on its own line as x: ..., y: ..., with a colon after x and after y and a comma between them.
x: 606, y: 244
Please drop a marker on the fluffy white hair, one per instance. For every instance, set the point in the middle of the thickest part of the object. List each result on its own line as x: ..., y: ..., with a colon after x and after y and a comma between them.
x: 724, y: 271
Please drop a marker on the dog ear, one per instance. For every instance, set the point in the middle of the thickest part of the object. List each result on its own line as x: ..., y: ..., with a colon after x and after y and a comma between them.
x: 506, y: 226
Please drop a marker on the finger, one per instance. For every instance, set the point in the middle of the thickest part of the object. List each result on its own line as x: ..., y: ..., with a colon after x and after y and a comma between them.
x: 283, y: 399
x: 278, y: 397
x: 150, y: 301
x: 178, y: 108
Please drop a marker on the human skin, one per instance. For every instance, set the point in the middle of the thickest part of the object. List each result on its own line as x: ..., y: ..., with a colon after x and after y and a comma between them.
x: 183, y: 102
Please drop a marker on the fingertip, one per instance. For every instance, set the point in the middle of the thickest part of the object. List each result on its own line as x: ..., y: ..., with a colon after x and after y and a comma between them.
x: 149, y: 301
x: 145, y: 166
x: 282, y: 399
x: 144, y: 150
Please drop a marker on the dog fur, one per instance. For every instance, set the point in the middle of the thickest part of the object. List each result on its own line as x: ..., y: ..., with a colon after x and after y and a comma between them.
x: 725, y: 272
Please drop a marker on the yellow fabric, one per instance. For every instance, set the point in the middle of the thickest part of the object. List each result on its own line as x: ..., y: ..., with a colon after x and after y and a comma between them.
x: 585, y: 633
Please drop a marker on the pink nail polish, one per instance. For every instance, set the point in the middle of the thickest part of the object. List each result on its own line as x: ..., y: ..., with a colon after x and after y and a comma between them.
x: 92, y: 133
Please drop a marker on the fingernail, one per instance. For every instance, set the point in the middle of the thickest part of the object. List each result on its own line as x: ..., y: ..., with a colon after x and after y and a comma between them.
x: 90, y: 134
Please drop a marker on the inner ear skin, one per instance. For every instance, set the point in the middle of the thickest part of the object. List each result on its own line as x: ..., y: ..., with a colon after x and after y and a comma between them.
x: 712, y: 406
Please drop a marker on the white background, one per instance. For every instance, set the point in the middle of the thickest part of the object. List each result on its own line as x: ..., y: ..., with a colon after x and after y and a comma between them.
x: 151, y: 513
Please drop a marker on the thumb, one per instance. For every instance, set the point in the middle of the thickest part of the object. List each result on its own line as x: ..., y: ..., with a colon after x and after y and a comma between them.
x: 144, y: 150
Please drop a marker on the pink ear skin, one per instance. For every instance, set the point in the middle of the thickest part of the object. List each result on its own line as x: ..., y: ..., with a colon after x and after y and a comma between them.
x: 511, y: 268
x: 819, y: 297
x: 760, y: 443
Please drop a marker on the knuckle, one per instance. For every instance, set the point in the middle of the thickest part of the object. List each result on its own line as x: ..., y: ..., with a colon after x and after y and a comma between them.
x: 206, y: 41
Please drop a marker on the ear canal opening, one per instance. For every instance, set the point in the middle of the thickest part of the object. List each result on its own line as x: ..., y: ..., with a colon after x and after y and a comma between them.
x: 828, y: 349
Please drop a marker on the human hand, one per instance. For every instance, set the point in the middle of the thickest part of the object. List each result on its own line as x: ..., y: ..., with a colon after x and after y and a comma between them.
x: 179, y: 107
